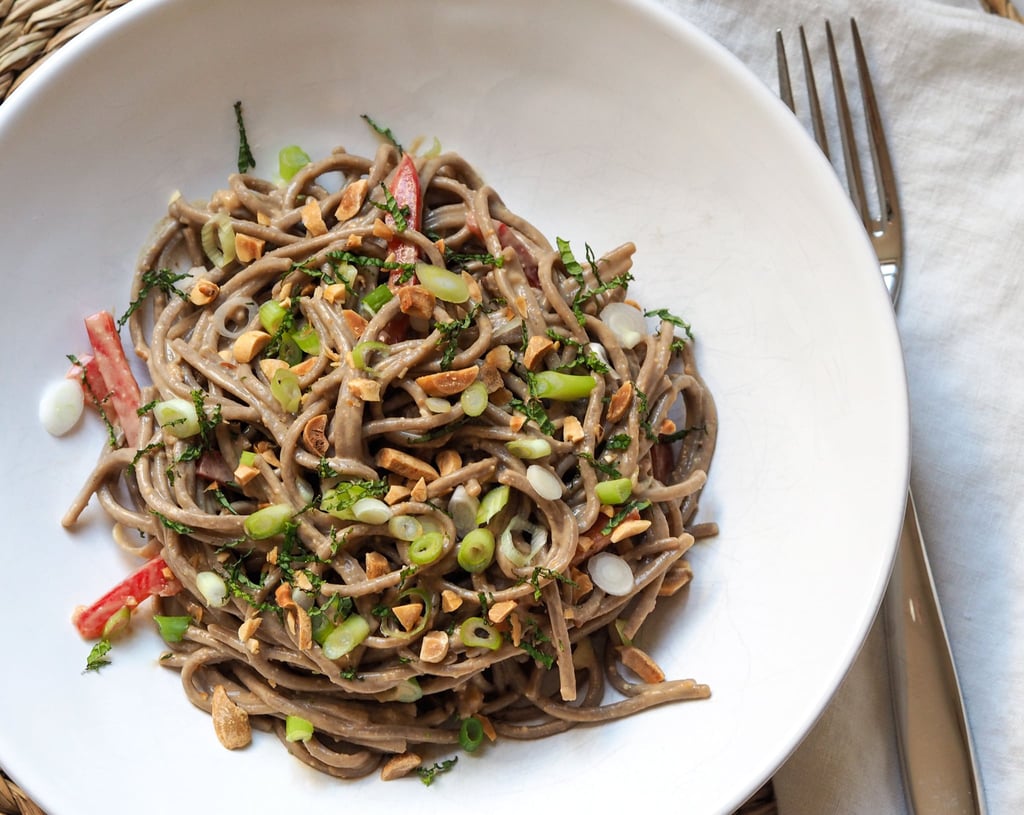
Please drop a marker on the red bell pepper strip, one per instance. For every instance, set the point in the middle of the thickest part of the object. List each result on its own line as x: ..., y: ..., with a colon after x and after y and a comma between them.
x: 125, y: 395
x: 405, y: 189
x: 87, y: 372
x: 154, y: 577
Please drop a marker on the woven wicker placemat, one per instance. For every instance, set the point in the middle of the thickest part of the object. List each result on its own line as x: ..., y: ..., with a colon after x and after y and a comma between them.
x: 30, y: 31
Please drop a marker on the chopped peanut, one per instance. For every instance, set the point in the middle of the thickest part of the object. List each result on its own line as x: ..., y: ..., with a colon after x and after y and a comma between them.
x: 491, y: 377
x: 640, y: 663
x: 474, y: 287
x: 517, y: 629
x: 396, y: 493
x: 667, y: 427
x: 416, y: 301
x: 516, y: 422
x: 244, y: 474
x: 501, y: 357
x: 434, y: 647
x: 304, y: 367
x: 203, y: 292
x: 249, y: 627
x: 248, y: 248
x: 355, y: 322
x: 313, y: 218
x: 450, y: 601
x: 335, y: 292
x: 572, y: 430
x: 249, y: 344
x: 397, y: 461
x: 675, y: 578
x: 354, y: 241
x: 447, y: 461
x: 399, y: 766
x: 499, y: 612
x: 448, y: 383
x: 314, y: 435
x: 283, y: 596
x: 536, y: 348
x: 271, y: 367
x: 408, y: 614
x: 620, y: 402
x: 230, y: 722
x: 352, y: 198
x: 419, y: 491
x: 376, y: 565
x: 382, y: 230
x: 628, y: 529
x: 366, y: 389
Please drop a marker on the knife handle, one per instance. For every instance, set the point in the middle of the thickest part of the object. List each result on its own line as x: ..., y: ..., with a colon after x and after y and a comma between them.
x: 940, y: 770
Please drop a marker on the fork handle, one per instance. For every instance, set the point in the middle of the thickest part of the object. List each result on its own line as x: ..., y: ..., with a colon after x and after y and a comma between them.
x: 939, y: 766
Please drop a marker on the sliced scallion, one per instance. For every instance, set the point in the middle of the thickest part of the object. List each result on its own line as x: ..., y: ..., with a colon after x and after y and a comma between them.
x: 471, y: 734
x: 290, y: 160
x: 218, y: 240
x: 463, y: 508
x: 377, y: 298
x: 474, y: 399
x: 172, y: 629
x: 117, y: 622
x: 363, y: 352
x: 272, y: 315
x: 443, y: 284
x: 476, y: 550
x: 529, y: 448
x: 297, y: 729
x: 178, y: 417
x: 269, y: 521
x: 427, y: 548
x: 492, y: 503
x: 213, y: 588
x: 475, y: 632
x: 345, y: 637
x: 371, y: 511
x: 563, y: 387
x: 284, y: 387
x: 405, y: 527
x: 307, y: 339
x: 616, y: 491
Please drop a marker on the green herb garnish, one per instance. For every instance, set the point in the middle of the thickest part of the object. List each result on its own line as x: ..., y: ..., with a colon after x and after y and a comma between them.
x: 383, y: 131
x: 98, y: 656
x: 428, y: 774
x: 245, y: 157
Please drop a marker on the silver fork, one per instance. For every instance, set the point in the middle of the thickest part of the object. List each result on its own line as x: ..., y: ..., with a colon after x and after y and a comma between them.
x: 939, y: 766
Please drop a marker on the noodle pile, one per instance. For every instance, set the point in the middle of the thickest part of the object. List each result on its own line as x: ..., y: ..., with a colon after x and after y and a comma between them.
x: 383, y: 467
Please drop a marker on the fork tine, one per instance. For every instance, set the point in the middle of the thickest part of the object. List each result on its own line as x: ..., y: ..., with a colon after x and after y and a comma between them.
x: 785, y: 87
x: 854, y: 179
x: 886, y: 177
x: 817, y: 119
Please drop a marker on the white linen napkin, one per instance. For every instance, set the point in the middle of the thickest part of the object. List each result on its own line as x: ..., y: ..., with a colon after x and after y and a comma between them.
x: 950, y: 80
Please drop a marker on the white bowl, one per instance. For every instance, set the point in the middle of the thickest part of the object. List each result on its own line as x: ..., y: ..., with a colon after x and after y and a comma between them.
x: 599, y: 121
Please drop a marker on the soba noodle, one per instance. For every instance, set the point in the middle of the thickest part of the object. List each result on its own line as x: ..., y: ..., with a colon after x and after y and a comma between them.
x: 398, y: 430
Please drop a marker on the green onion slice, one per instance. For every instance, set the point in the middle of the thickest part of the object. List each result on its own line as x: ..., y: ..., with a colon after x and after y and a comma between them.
x: 297, y: 729
x: 529, y: 448
x: 269, y: 521
x: 476, y: 632
x: 307, y: 339
x: 178, y: 417
x: 284, y: 387
x: 364, y: 350
x: 375, y: 300
x: 474, y: 399
x: 492, y: 503
x: 471, y: 734
x: 427, y: 548
x: 346, y: 637
x: 172, y: 629
x: 290, y: 160
x: 272, y: 315
x: 443, y: 284
x: 563, y: 387
x: 476, y: 550
x: 218, y: 239
x: 117, y: 622
x: 390, y: 627
x: 616, y: 491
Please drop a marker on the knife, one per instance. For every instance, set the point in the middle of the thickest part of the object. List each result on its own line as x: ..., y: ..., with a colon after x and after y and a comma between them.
x: 940, y: 769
